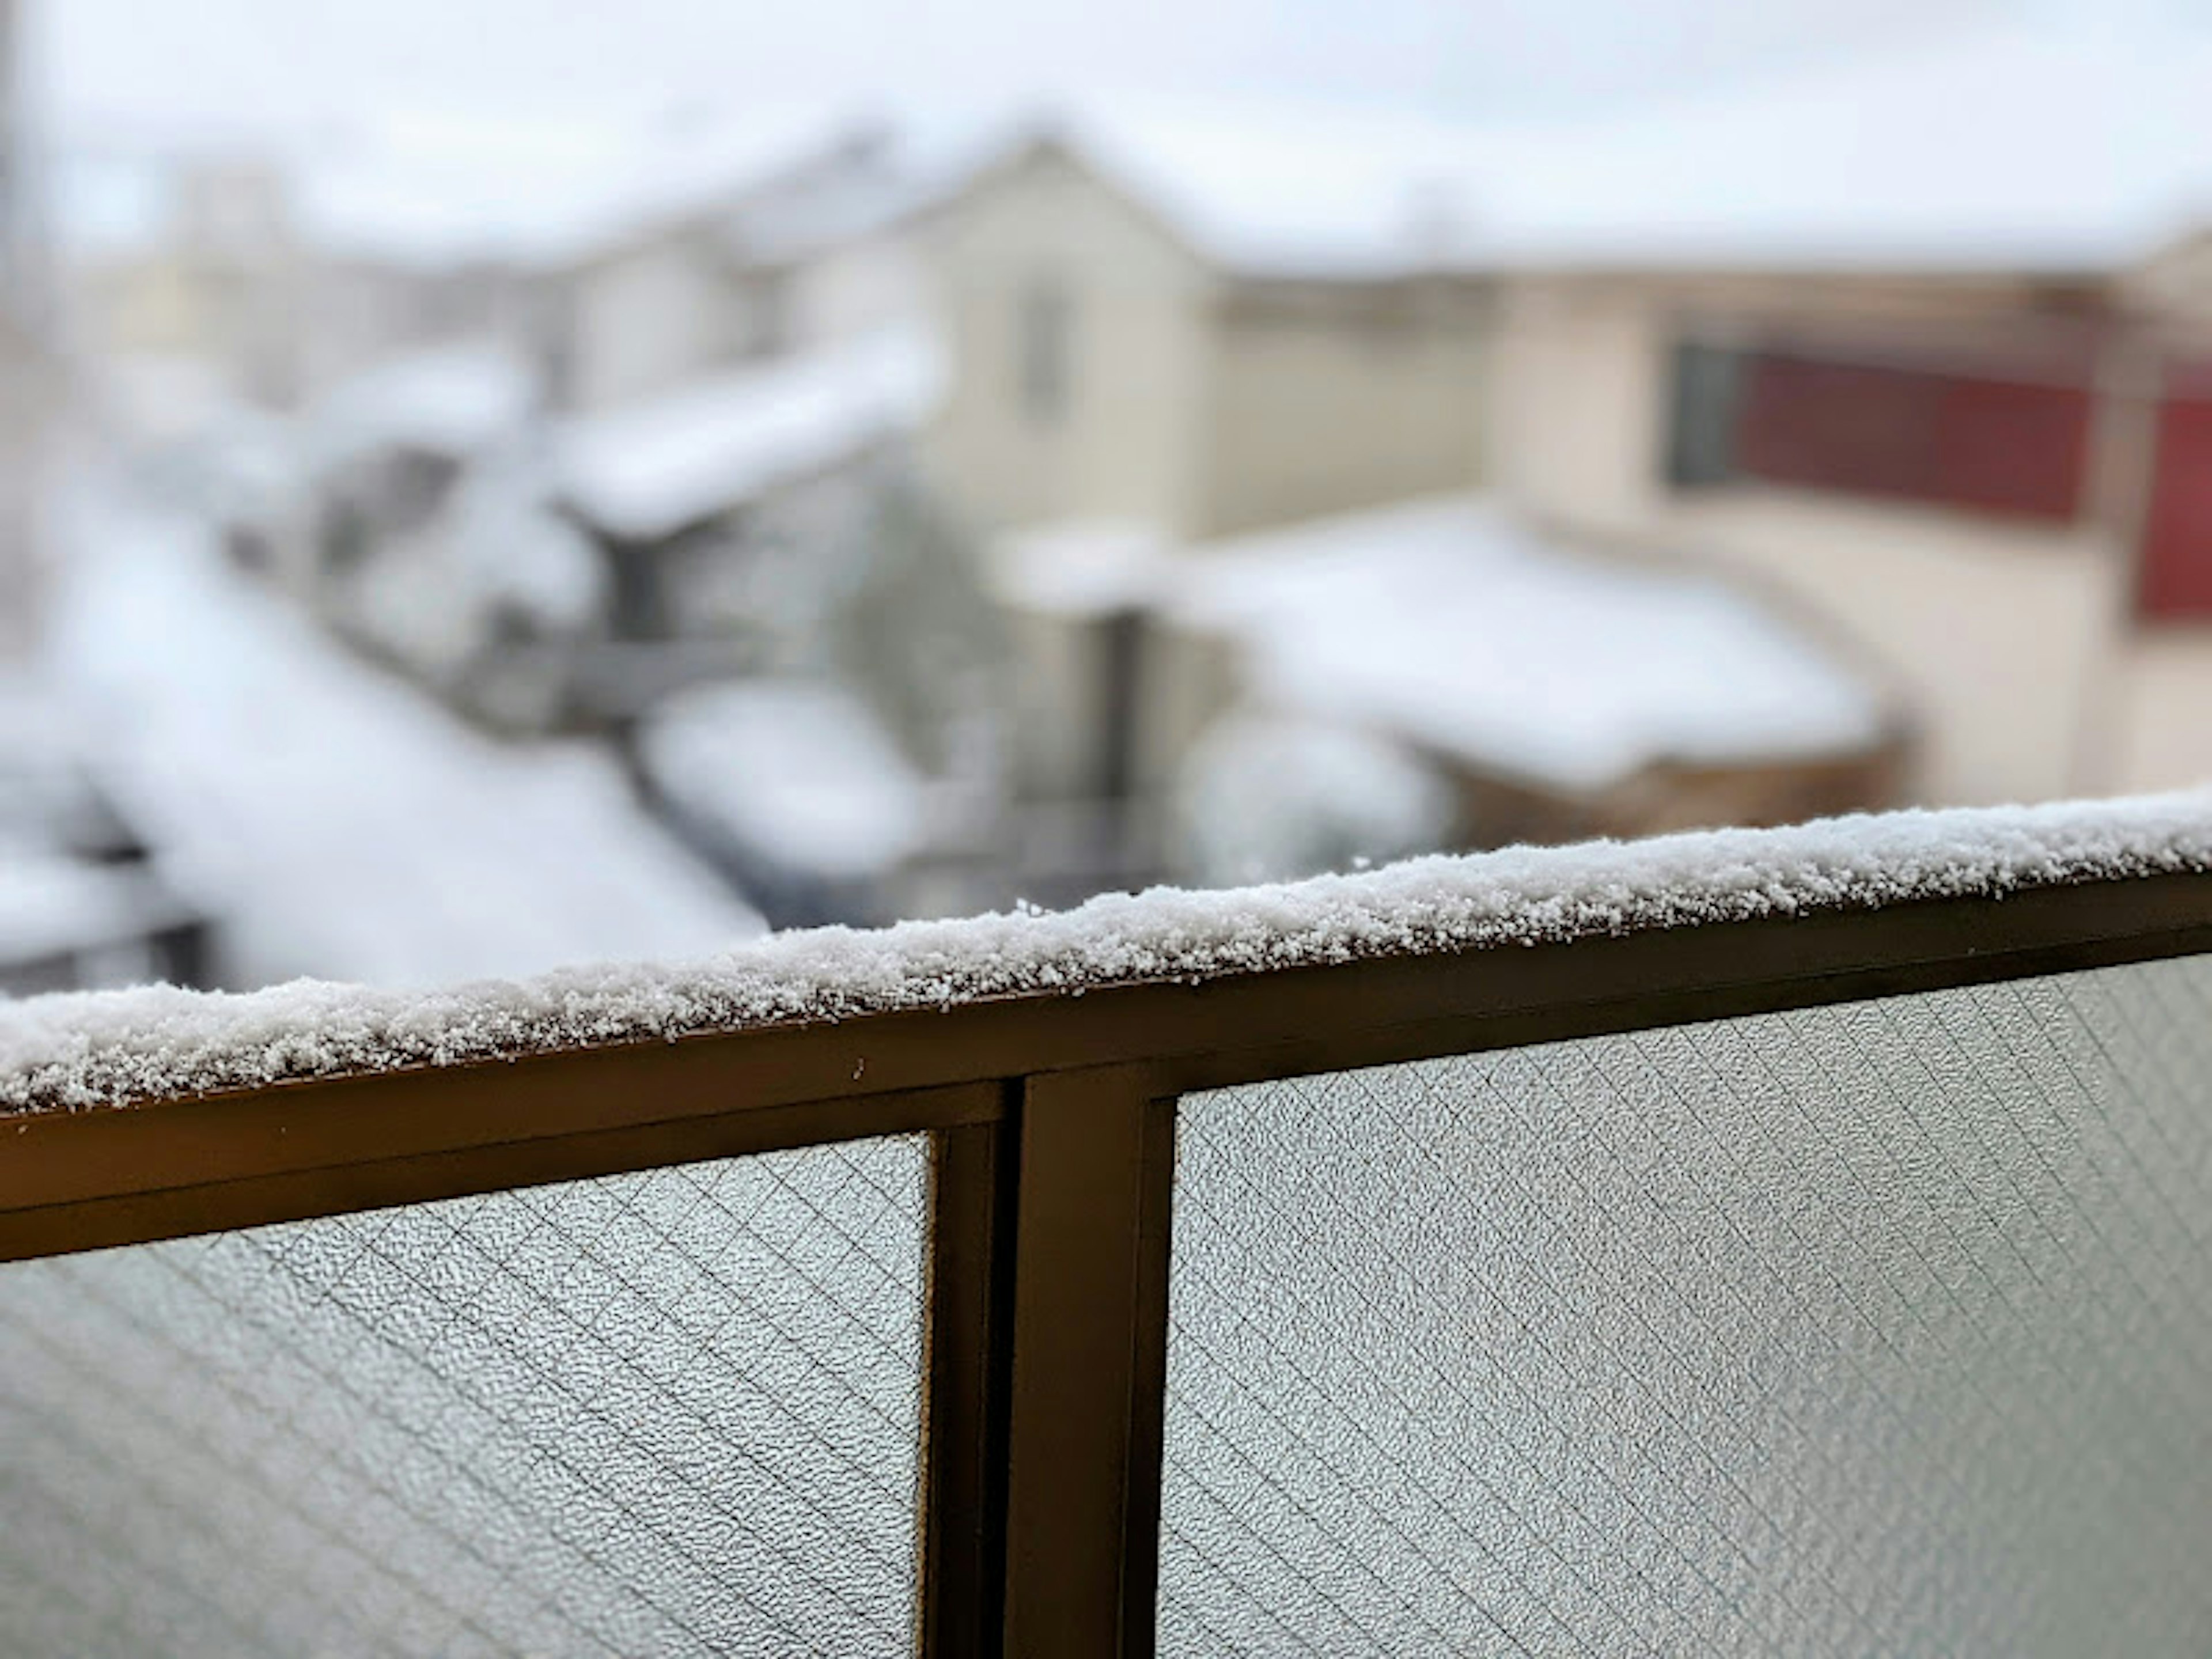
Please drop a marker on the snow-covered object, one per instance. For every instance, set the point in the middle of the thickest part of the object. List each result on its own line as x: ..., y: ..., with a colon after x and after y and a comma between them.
x: 1083, y: 568
x: 52, y: 904
x: 797, y: 773
x: 453, y: 400
x: 330, y: 817
x: 514, y: 552
x: 1447, y: 623
x: 73, y: 1052
x: 647, y: 471
x: 1265, y: 796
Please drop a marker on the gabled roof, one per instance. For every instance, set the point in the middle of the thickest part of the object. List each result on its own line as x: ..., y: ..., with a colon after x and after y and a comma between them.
x: 2037, y: 149
x: 1283, y: 190
x: 2059, y: 150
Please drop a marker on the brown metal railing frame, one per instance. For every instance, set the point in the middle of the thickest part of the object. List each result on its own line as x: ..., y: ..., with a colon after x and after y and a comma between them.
x: 1052, y: 1120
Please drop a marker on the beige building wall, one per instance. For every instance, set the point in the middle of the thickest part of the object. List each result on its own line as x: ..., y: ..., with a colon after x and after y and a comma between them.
x: 644, y: 318
x: 2001, y: 637
x: 2158, y: 733
x: 1326, y: 399
x: 1125, y: 444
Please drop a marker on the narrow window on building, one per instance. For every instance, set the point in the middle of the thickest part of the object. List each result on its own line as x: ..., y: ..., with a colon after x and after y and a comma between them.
x: 1707, y: 387
x: 1044, y: 350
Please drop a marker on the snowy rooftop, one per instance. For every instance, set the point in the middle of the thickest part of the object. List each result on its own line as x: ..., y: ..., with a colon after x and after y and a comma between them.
x: 453, y: 400
x: 2037, y: 148
x: 434, y: 189
x: 333, y: 820
x: 1446, y: 624
x: 2050, y: 147
x: 77, y: 1051
x: 649, y: 469
x: 1270, y: 189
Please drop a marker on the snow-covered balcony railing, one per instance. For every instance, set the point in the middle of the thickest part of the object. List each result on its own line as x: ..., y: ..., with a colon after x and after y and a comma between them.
x: 1791, y: 1241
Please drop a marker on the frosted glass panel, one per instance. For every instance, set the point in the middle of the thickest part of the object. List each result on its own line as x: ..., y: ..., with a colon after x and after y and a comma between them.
x: 675, y: 1413
x: 1877, y: 1328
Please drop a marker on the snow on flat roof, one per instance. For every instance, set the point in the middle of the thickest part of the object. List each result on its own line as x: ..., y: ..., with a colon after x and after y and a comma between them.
x: 649, y: 469
x: 799, y: 772
x: 2048, y: 146
x: 430, y: 189
x: 331, y: 818
x: 76, y: 1051
x: 1081, y: 569
x: 1449, y: 623
x: 455, y: 399
x: 1446, y: 622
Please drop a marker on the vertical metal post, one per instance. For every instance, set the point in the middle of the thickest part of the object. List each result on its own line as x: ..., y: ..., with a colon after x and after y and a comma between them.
x: 971, y: 1283
x: 1089, y: 1365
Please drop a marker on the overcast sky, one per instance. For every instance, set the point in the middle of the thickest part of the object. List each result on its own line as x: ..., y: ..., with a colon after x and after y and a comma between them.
x: 112, y: 66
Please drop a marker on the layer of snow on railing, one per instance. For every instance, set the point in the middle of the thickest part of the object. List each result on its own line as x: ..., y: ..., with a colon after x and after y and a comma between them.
x: 86, y: 1050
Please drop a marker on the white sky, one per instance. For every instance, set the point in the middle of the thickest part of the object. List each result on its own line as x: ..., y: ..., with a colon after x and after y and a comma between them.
x: 111, y: 69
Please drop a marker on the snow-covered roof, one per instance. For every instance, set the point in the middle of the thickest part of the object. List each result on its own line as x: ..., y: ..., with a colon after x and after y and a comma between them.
x: 2041, y: 147
x: 2044, y: 147
x: 798, y: 773
x: 866, y: 189
x: 71, y: 1052
x: 331, y: 818
x: 1279, y: 188
x: 1446, y: 622
x: 430, y: 189
x: 1449, y: 623
x: 1081, y: 568
x: 649, y: 469
x: 455, y: 400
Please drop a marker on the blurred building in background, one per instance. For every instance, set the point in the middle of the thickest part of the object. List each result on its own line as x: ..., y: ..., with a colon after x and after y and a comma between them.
x: 1206, y: 321
x: 1915, y: 344
x: 814, y: 519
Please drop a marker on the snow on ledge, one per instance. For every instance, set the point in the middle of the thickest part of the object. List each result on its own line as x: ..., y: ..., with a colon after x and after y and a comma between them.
x: 74, y: 1052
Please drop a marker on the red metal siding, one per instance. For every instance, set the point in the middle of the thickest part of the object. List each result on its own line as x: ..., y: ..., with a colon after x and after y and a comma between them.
x: 2177, y: 546
x: 2011, y: 447
x: 1995, y: 446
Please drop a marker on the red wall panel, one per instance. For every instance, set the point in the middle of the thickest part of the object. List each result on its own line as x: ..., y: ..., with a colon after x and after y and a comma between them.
x: 2176, y: 544
x: 1993, y: 446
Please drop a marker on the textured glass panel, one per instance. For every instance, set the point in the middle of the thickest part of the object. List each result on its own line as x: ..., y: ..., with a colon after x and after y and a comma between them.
x: 674, y: 1413
x: 1885, y: 1328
